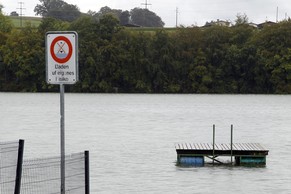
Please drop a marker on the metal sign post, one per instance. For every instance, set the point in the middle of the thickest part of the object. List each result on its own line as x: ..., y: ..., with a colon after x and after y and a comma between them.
x: 62, y: 68
x: 62, y: 135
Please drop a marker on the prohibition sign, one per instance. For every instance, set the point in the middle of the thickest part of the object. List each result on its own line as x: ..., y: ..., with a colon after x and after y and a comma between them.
x: 61, y: 49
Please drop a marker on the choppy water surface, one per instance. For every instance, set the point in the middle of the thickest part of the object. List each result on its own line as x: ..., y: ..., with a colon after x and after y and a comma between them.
x: 131, y: 138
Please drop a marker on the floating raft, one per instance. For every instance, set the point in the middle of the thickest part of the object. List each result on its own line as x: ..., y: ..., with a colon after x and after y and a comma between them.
x: 244, y: 153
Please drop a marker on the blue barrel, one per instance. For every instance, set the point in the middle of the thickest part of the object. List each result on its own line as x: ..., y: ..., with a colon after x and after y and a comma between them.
x: 192, y: 161
x: 253, y: 160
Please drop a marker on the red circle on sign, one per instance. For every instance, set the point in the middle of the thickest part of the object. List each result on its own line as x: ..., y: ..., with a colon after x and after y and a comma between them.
x: 70, y: 49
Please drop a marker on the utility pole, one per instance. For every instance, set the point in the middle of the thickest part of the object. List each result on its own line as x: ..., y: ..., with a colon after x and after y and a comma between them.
x: 21, y: 8
x: 177, y: 11
x: 146, y: 4
x: 277, y: 13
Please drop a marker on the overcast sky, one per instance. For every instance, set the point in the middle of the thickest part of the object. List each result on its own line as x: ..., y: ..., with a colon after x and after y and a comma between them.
x: 190, y: 12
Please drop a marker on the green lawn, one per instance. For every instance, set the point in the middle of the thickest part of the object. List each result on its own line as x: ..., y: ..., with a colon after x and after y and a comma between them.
x: 35, y: 21
x: 16, y: 20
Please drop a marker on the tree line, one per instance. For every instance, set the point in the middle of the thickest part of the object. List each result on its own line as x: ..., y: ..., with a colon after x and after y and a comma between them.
x: 239, y: 59
x: 61, y: 10
x: 64, y: 11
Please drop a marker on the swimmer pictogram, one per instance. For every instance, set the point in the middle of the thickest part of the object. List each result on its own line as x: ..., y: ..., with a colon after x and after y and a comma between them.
x: 61, y: 49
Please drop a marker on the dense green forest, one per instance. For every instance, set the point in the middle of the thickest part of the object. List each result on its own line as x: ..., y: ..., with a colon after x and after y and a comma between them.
x: 217, y: 59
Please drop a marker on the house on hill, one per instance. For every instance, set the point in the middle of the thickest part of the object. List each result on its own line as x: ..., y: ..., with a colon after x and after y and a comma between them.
x: 266, y: 23
x: 217, y: 23
x: 253, y: 25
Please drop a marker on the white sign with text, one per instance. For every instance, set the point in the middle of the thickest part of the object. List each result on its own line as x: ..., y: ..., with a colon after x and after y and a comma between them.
x: 61, y: 57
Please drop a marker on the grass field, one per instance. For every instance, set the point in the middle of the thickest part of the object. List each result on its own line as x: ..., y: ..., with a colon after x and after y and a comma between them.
x: 35, y: 21
x: 16, y: 20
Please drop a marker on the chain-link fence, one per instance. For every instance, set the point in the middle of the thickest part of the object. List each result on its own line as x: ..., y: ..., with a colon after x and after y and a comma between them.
x: 11, y: 154
x: 42, y: 176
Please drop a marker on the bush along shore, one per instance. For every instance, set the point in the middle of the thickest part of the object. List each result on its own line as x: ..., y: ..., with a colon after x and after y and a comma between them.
x: 216, y: 59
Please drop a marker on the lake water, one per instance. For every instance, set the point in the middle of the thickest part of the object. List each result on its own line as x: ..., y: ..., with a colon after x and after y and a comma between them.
x: 131, y: 138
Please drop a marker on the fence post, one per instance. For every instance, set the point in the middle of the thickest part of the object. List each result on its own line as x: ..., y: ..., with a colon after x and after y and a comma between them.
x: 231, y: 143
x: 19, y: 167
x: 87, y: 173
x: 213, y: 151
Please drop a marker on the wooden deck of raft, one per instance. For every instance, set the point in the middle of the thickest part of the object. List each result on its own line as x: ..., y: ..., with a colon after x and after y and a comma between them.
x: 237, y: 150
x: 223, y: 148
